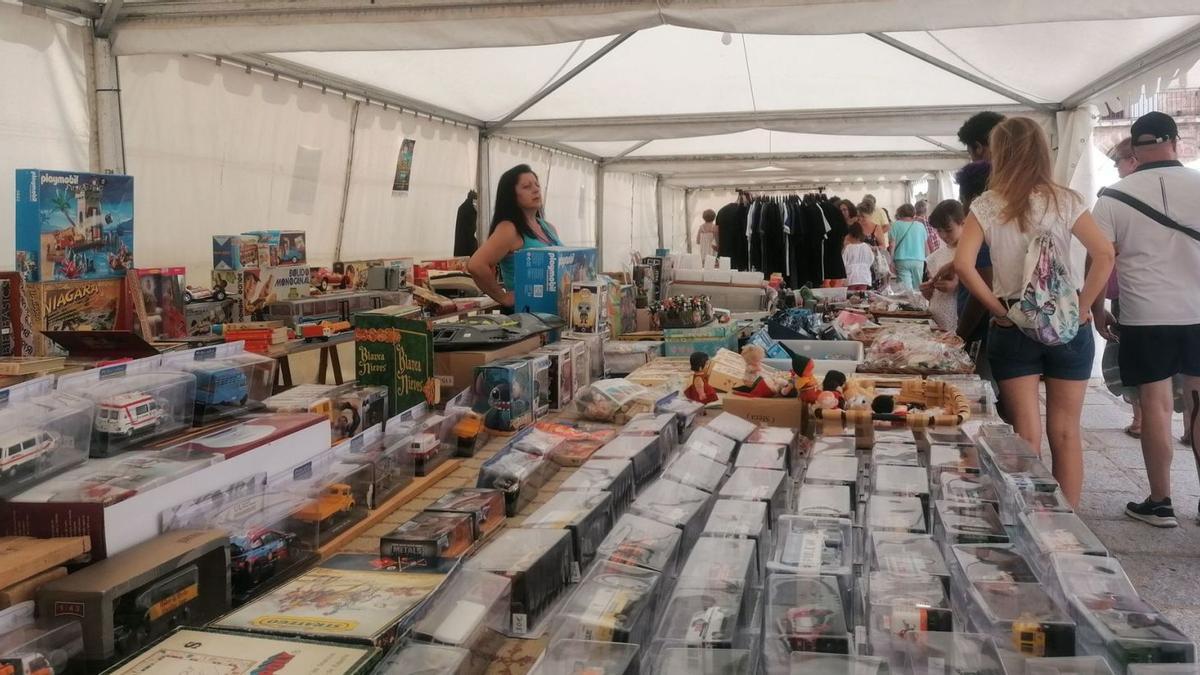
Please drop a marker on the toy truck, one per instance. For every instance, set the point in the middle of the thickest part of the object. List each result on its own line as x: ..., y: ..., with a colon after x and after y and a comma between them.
x: 24, y: 450
x: 335, y: 499
x: 323, y: 331
x: 222, y: 386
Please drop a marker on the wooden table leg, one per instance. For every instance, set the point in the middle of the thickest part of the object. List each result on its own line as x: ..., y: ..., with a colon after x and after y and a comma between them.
x: 283, y: 375
x: 322, y: 365
x: 336, y: 361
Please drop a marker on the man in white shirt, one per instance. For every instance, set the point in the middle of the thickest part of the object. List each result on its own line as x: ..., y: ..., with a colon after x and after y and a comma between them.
x: 1158, y: 274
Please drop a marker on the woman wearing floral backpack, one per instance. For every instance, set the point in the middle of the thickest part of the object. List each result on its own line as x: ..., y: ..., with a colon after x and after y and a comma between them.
x: 1041, y: 322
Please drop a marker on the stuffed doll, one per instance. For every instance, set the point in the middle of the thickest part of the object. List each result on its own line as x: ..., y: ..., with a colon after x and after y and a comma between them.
x: 802, y: 383
x: 833, y: 383
x: 700, y: 390
x: 856, y: 396
x: 754, y: 382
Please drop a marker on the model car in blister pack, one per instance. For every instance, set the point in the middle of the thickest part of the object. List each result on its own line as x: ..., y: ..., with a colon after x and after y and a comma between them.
x: 588, y: 516
x: 538, y: 562
x: 1126, y: 629
x: 963, y: 458
x: 589, y: 657
x: 641, y: 451
x: 30, y: 647
x: 896, y: 514
x: 804, y: 614
x: 825, y: 501
x: 519, y: 475
x: 738, y: 519
x: 1041, y: 534
x: 990, y: 562
x: 793, y: 441
x: 485, y: 507
x: 899, y: 454
x: 833, y: 470
x: 692, y: 468
x: 709, y: 618
x: 971, y: 488
x: 660, y: 425
x: 837, y: 446
x: 904, y: 554
x: 814, y: 546
x: 614, y: 476
x: 416, y: 658
x: 685, y: 411
x: 758, y: 485
x: 899, y: 606
x: 429, y: 541
x: 135, y: 403
x: 387, y: 461
x: 1021, y: 617
x: 712, y: 445
x: 954, y: 653
x: 732, y: 426
x: 642, y: 542
x: 229, y: 380
x: 332, y: 502
x: 614, y: 603
x: 762, y: 456
x: 674, y: 504
x: 42, y: 437
x: 962, y: 523
x: 899, y: 481
x: 723, y: 564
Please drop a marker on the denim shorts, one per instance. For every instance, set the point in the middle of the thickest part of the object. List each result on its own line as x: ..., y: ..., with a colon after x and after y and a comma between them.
x: 1011, y: 354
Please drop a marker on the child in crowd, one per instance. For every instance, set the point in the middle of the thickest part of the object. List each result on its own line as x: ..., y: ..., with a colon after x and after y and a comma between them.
x: 858, y: 256
x: 941, y: 289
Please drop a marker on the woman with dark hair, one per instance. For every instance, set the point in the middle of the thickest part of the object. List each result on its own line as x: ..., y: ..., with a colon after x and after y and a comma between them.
x: 517, y: 223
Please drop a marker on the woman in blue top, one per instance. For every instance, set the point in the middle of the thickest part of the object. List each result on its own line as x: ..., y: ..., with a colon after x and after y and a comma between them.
x: 908, y: 240
x: 517, y: 224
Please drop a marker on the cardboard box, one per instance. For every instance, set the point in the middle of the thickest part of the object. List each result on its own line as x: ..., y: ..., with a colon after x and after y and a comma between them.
x: 708, y: 339
x: 76, y: 305
x: 395, y: 351
x: 132, y: 599
x: 772, y: 412
x: 284, y: 248
x: 259, y: 288
x: 590, y: 306
x: 184, y: 648
x: 269, y: 444
x: 544, y: 277
x: 235, y: 252
x: 456, y: 370
x: 72, y: 225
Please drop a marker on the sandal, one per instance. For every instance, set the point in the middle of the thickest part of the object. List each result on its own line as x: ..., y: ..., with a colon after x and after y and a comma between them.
x: 1133, y: 433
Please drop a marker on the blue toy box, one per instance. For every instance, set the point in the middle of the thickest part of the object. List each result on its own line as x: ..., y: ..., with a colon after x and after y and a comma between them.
x: 544, y: 277
x: 505, y: 395
x: 72, y: 225
x: 708, y: 339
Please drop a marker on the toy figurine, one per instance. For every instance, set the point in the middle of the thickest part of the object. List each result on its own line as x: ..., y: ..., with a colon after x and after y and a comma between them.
x: 855, y: 396
x: 700, y: 390
x: 754, y: 384
x: 802, y: 383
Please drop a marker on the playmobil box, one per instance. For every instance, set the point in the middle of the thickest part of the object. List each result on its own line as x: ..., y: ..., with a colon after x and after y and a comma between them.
x: 235, y: 252
x: 395, y: 351
x: 544, y: 277
x: 72, y: 225
x: 284, y: 248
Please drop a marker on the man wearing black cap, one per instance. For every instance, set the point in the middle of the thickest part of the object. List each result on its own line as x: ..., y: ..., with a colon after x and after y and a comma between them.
x: 1153, y: 218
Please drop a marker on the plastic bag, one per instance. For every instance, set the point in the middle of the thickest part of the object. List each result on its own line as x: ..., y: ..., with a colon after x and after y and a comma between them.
x: 916, y: 348
x: 616, y: 400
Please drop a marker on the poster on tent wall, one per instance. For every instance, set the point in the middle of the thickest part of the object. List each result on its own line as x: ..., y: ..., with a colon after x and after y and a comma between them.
x: 404, y: 166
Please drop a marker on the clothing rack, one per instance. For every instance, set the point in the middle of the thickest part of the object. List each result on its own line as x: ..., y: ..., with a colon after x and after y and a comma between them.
x: 791, y: 189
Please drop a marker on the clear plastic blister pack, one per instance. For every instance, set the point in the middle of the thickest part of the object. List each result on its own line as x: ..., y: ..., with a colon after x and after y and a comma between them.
x: 472, y: 605
x: 712, y: 445
x: 519, y: 475
x: 229, y: 380
x: 642, y: 451
x: 41, y: 437
x: 692, y: 468
x: 647, y: 543
x: 896, y: 514
x: 763, y: 456
x: 674, y: 504
x: 430, y: 540
x: 484, y: 506
x: 588, y: 516
x: 900, y: 605
x: 614, y: 603
x: 962, y: 523
x: 833, y: 470
x: 741, y: 519
x: 732, y: 426
x: 803, y: 614
x: 416, y: 657
x: 705, y: 618
x: 660, y: 425
x: 758, y: 485
x: 566, y: 657
x: 538, y: 563
x: 904, y: 554
x: 1041, y: 534
x: 614, y: 476
x: 825, y: 501
x: 899, y: 454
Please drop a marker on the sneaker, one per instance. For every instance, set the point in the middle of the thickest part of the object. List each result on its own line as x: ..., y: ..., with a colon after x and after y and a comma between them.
x: 1158, y: 514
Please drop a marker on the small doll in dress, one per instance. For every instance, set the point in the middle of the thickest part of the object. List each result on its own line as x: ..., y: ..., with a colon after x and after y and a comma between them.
x: 755, y: 383
x: 700, y: 390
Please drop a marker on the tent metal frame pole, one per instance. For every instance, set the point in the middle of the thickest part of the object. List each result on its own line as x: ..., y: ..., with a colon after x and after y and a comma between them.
x: 341, y: 231
x: 658, y: 207
x: 106, y: 100
x: 959, y: 72
x: 108, y: 18
x: 1143, y: 62
x: 785, y: 157
x: 84, y: 8
x: 599, y: 217
x: 624, y: 153
x: 687, y: 216
x: 483, y: 176
x: 947, y: 148
x: 563, y: 79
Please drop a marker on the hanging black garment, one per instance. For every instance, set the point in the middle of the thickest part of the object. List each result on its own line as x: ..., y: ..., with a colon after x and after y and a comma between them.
x: 774, y: 254
x: 812, y: 245
x: 834, y: 267
x: 465, y: 223
x: 727, y: 217
x: 759, y: 213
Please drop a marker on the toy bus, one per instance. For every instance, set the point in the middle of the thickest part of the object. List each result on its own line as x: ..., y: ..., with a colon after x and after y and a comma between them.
x: 161, y: 607
x: 221, y: 386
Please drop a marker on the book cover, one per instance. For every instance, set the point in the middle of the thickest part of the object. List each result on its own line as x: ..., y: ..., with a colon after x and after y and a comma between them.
x: 395, y: 352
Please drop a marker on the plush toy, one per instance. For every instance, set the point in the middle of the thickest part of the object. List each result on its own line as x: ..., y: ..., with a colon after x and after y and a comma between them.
x: 856, y: 396
x: 700, y: 390
x: 754, y: 383
x: 802, y: 383
x: 883, y: 405
x: 833, y: 383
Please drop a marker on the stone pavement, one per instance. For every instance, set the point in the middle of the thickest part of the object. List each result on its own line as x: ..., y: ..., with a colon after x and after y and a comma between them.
x: 1164, y: 564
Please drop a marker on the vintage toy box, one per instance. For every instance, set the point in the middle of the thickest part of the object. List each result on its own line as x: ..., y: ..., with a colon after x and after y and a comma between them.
x: 96, y: 304
x: 538, y: 562
x: 135, y: 597
x: 544, y: 277
x: 588, y: 516
x: 539, y: 365
x: 644, y: 542
x: 72, y: 225
x: 235, y: 252
x: 485, y: 507
x: 187, y: 650
x: 395, y: 351
x: 682, y: 342
x: 429, y: 541
x: 562, y: 374
x: 505, y: 395
x: 348, y: 598
x: 283, y: 247
x: 589, y: 306
x: 157, y: 296
x: 259, y: 288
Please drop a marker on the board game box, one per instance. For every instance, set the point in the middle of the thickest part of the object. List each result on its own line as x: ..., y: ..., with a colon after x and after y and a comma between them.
x: 190, y: 650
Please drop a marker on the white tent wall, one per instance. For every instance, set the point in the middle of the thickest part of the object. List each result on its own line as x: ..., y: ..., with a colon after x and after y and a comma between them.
x: 645, y: 219
x: 677, y: 231
x: 569, y: 185
x: 45, y: 114
x: 699, y: 200
x: 618, y: 217
x: 887, y: 195
x: 216, y: 150
x: 419, y: 222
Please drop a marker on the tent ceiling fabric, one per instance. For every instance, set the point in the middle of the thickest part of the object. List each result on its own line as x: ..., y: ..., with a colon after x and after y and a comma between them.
x: 761, y: 141
x: 240, y: 26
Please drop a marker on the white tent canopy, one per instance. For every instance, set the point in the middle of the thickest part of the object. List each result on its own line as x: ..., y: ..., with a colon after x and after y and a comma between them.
x: 290, y: 113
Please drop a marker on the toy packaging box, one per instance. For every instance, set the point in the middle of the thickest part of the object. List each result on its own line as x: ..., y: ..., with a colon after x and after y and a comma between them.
x: 579, y: 441
x: 235, y: 252
x: 131, y: 599
x: 158, y: 302
x: 588, y: 516
x: 589, y: 306
x: 429, y: 541
x: 42, y: 434
x: 505, y: 395
x: 594, y: 345
x: 682, y: 342
x: 674, y: 504
x: 642, y: 452
x: 284, y: 248
x: 614, y: 476
x: 804, y: 614
x: 357, y: 408
x: 16, y: 332
x: 656, y: 268
x: 395, y: 351
x: 389, y: 462
x: 562, y: 374
x: 539, y: 365
x: 614, y: 603
x: 469, y: 612
x: 624, y: 319
x: 229, y: 380
x: 642, y: 542
x: 544, y: 277
x: 258, y: 288
x: 485, y: 507
x: 188, y: 650
x: 348, y: 598
x: 519, y: 475
x: 538, y: 562
x: 72, y: 225
x: 75, y: 305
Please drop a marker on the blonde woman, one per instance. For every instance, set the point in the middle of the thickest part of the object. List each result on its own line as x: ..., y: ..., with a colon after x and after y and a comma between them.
x: 1022, y: 202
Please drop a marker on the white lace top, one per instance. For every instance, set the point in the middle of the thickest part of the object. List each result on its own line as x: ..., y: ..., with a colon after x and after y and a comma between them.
x: 1009, y: 244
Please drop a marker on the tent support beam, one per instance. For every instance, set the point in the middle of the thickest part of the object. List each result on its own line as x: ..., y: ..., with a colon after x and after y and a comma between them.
x: 84, y: 8
x: 341, y: 231
x: 600, y: 217
x: 108, y: 17
x: 563, y: 79
x: 106, y: 99
x: 959, y: 72
x: 483, y: 195
x: 1143, y: 62
x: 947, y: 148
x: 624, y: 153
x: 658, y: 208
x: 786, y: 157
